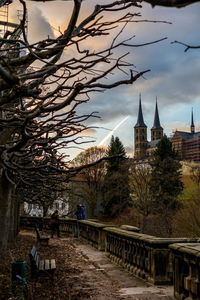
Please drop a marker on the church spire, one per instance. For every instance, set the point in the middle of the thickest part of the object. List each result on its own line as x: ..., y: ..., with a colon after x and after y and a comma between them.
x: 156, y: 124
x: 140, y: 120
x: 156, y: 130
x: 192, y: 127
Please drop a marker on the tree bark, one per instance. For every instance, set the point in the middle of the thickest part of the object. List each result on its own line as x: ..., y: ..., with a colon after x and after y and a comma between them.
x: 5, y: 210
x: 45, y: 210
x: 14, y: 217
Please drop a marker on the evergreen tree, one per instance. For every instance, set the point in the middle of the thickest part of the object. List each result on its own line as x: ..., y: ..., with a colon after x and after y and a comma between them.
x: 115, y: 149
x: 116, y: 185
x: 165, y: 183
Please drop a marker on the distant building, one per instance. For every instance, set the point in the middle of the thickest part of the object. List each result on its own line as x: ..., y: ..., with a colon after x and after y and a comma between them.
x: 143, y: 147
x: 187, y: 144
x: 67, y: 203
x: 37, y: 210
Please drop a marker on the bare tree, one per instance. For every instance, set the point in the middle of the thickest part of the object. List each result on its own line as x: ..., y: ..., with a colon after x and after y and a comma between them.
x: 167, y: 3
x: 171, y: 3
x: 38, y: 105
x: 91, y: 191
x: 46, y: 190
x: 139, y: 180
x: 177, y: 4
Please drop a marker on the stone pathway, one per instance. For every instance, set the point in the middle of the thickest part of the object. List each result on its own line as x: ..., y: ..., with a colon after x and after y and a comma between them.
x: 129, y: 287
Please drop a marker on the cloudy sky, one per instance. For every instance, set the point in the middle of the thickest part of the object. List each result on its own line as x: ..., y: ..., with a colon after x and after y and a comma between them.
x: 174, y: 76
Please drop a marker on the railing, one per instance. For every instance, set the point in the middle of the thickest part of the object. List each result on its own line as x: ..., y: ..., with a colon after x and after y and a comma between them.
x: 146, y: 256
x: 186, y: 270
x: 93, y: 233
x: 143, y: 255
x: 67, y: 226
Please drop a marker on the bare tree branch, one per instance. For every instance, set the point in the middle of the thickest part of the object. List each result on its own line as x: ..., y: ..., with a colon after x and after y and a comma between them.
x: 171, y: 3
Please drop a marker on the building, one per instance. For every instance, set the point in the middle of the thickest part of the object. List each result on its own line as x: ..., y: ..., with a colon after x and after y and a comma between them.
x: 37, y: 211
x: 65, y: 204
x: 143, y: 147
x: 187, y: 144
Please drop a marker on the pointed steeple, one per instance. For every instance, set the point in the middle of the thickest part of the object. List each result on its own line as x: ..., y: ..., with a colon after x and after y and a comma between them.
x: 140, y: 120
x: 156, y: 124
x: 156, y: 130
x: 192, y: 127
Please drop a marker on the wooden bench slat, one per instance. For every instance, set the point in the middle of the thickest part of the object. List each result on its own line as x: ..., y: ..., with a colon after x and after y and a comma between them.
x: 37, y: 261
x: 46, y: 264
x: 33, y: 251
x: 41, y: 238
x: 41, y: 265
x: 53, y: 264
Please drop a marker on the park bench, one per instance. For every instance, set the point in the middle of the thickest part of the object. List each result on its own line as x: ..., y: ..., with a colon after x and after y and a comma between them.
x: 39, y: 267
x: 41, y: 239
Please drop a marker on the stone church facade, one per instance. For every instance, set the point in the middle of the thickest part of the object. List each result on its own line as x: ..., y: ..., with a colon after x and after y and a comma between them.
x: 143, y: 147
x: 187, y: 144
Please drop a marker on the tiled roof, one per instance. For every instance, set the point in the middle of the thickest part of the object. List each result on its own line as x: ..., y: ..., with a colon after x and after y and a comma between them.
x: 188, y: 135
x: 152, y: 144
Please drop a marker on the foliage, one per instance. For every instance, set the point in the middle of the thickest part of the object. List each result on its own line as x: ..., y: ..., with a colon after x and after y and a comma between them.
x: 93, y: 177
x: 165, y: 183
x: 188, y: 190
x: 116, y: 186
x: 195, y: 174
x: 116, y: 154
x: 139, y: 181
x: 116, y: 191
x: 187, y: 219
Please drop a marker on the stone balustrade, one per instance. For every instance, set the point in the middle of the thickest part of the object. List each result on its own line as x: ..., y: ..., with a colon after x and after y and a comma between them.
x: 146, y: 256
x: 93, y: 233
x: 186, y: 270
x: 67, y: 226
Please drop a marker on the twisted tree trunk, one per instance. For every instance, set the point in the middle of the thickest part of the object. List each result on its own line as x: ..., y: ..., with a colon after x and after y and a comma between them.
x: 6, y: 188
x: 14, y: 216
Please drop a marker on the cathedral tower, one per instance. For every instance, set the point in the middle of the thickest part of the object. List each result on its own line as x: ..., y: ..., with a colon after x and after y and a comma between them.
x: 156, y: 130
x: 140, y: 135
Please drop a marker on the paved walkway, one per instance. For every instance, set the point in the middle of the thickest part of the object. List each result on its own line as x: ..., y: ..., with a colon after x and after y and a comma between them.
x: 129, y: 287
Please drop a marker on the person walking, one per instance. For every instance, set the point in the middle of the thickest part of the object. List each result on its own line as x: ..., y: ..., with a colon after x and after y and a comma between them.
x: 80, y: 212
x: 83, y: 207
x: 80, y: 215
x: 55, y: 224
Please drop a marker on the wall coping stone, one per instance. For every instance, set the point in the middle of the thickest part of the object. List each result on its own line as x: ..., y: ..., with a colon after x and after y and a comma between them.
x: 95, y: 224
x: 153, y: 240
x: 191, y: 248
x: 130, y: 228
